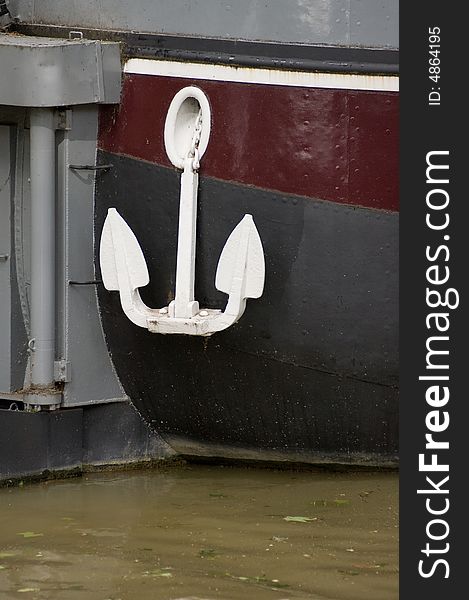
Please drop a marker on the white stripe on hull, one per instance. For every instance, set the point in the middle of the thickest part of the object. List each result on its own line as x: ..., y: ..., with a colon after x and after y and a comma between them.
x: 341, y: 81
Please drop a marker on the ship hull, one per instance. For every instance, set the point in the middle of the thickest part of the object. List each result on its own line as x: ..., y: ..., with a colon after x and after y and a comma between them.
x: 310, y: 372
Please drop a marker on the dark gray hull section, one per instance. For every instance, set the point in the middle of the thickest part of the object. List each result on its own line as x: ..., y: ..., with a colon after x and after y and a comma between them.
x: 70, y: 442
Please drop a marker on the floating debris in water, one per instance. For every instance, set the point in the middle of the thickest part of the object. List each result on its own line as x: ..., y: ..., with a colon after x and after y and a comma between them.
x: 209, y: 553
x: 164, y: 572
x: 330, y: 503
x: 259, y: 580
x: 29, y: 534
x: 300, y: 519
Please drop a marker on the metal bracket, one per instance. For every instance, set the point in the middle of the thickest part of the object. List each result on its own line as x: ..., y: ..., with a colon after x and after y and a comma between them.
x: 62, y: 371
x: 90, y: 167
x: 91, y: 282
x: 63, y: 119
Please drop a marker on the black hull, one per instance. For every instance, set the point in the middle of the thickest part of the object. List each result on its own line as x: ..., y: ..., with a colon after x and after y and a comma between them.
x: 307, y: 375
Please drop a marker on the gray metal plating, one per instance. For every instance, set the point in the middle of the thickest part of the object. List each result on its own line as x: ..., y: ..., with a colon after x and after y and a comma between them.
x: 367, y: 23
x: 45, y: 72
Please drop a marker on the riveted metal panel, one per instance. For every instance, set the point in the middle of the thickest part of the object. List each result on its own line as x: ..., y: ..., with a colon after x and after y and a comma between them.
x: 334, y: 144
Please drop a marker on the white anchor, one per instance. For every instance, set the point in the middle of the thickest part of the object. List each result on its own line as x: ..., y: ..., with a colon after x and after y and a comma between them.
x: 241, y: 268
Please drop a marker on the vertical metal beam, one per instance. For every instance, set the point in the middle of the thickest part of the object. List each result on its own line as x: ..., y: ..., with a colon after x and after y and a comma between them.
x: 42, y: 134
x: 5, y: 260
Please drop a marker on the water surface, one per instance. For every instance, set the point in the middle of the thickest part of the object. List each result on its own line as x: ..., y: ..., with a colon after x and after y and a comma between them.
x: 202, y: 532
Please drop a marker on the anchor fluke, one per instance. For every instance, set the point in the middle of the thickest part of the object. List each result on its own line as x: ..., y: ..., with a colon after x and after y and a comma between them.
x: 123, y: 267
x: 120, y: 252
x: 242, y: 258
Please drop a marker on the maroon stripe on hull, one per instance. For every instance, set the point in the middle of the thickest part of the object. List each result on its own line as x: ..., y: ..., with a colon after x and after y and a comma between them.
x: 336, y: 145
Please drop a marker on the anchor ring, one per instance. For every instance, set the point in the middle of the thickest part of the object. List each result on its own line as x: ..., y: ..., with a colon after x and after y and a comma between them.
x: 181, y: 122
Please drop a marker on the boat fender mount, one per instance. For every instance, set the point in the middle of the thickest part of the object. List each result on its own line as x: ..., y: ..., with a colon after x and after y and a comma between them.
x: 241, y: 268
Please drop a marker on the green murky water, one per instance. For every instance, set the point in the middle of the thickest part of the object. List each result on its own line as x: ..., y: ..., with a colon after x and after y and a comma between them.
x: 202, y: 532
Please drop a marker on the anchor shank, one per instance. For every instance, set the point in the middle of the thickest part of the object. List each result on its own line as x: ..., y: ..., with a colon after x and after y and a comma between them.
x: 184, y: 304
